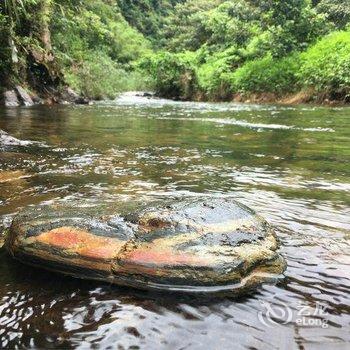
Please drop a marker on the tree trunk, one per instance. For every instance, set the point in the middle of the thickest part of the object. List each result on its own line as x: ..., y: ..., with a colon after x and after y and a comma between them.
x: 42, y: 32
x: 44, y: 25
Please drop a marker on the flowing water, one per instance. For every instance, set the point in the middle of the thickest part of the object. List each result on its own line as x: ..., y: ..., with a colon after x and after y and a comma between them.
x: 290, y: 164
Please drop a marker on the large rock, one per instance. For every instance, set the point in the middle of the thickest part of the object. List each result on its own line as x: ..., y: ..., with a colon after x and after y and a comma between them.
x: 24, y: 96
x: 10, y: 98
x: 209, y: 245
x: 68, y: 95
x: 8, y: 140
x: 17, y: 97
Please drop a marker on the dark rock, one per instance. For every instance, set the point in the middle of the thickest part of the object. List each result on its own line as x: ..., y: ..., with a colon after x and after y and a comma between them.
x: 68, y: 95
x: 7, y: 140
x: 145, y: 94
x: 24, y: 97
x: 203, y: 246
x: 82, y: 101
x: 10, y: 98
x: 37, y: 100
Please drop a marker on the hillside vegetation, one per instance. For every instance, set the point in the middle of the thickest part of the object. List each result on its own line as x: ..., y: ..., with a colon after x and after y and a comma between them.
x: 253, y: 49
x: 86, y: 44
x: 194, y: 49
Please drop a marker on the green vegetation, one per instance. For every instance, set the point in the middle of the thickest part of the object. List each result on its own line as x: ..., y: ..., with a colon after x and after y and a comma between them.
x: 148, y: 16
x: 246, y: 47
x: 97, y: 48
x: 278, y: 76
x: 86, y: 44
x: 175, y: 74
x: 26, y: 40
x: 326, y: 66
x: 194, y: 49
x: 336, y: 11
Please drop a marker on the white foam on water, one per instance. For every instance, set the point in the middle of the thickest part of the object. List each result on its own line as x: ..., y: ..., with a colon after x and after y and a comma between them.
x: 247, y: 124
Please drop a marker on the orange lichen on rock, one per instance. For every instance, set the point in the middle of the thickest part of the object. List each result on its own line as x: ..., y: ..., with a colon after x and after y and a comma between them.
x: 81, y: 242
x: 191, y: 245
x: 162, y: 257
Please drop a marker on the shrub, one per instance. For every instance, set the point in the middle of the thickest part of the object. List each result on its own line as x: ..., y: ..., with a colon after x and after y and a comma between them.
x: 337, y: 11
x: 96, y: 48
x: 270, y: 75
x: 100, y: 77
x: 326, y: 65
x: 213, y: 73
x: 174, y: 75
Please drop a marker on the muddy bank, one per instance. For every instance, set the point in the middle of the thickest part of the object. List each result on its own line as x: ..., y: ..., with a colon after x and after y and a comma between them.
x: 300, y: 97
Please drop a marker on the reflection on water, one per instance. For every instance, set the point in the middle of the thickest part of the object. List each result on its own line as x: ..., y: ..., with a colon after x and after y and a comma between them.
x: 290, y: 164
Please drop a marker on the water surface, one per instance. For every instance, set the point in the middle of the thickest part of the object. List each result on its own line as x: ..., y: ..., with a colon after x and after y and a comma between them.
x: 290, y: 164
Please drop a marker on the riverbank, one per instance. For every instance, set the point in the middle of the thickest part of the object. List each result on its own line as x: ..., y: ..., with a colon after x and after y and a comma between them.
x: 297, y: 98
x: 20, y: 96
x: 320, y: 74
x: 301, y: 97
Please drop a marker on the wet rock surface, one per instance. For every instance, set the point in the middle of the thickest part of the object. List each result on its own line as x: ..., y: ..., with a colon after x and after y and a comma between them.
x: 24, y: 96
x: 8, y: 140
x: 210, y: 245
x: 18, y: 96
x: 10, y: 99
x: 68, y: 95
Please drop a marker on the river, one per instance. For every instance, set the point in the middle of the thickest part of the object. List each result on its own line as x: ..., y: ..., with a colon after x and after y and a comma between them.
x: 290, y: 164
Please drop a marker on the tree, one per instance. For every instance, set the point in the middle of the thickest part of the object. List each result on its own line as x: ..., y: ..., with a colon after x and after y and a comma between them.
x: 293, y: 24
x: 337, y: 11
x: 185, y: 28
x: 147, y: 15
x: 29, y: 40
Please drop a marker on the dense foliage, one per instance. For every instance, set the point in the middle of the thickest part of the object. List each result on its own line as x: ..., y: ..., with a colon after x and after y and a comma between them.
x: 326, y: 66
x: 148, y: 16
x: 251, y: 47
x: 96, y: 47
x: 336, y: 11
x: 269, y: 75
x: 26, y: 49
x: 187, y: 49
x: 86, y: 44
x: 175, y: 74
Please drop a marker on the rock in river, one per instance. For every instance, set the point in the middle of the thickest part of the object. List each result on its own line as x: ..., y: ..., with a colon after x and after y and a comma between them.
x: 24, y: 96
x: 196, y: 245
x: 10, y: 99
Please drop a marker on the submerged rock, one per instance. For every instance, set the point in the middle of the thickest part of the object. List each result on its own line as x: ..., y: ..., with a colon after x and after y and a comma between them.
x: 7, y: 140
x: 11, y: 175
x: 211, y: 245
x: 145, y: 94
